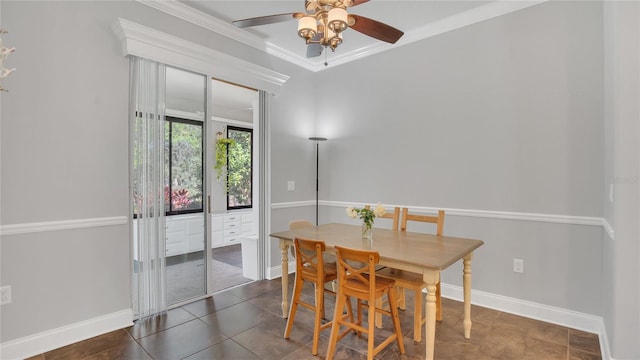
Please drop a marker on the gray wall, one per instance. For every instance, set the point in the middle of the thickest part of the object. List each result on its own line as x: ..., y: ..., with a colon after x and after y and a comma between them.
x: 501, y: 115
x: 621, y: 300
x: 64, y: 155
x: 504, y: 115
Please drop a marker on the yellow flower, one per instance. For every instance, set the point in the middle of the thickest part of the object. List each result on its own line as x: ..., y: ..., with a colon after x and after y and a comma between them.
x: 379, y: 210
x: 352, y: 212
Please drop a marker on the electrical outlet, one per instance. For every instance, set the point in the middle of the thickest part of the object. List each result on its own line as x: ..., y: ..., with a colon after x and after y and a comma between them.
x: 518, y: 265
x: 5, y: 295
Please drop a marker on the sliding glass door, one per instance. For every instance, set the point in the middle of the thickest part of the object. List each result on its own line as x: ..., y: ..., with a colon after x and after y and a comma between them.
x: 205, y: 211
x: 184, y: 191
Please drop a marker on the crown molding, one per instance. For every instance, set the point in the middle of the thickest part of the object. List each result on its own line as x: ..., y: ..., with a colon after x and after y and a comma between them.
x: 466, y: 18
x: 206, y: 21
x: 139, y: 40
x: 197, y: 17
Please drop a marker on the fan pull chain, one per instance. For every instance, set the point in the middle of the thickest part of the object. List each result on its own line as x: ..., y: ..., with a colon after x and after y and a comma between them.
x: 326, y: 63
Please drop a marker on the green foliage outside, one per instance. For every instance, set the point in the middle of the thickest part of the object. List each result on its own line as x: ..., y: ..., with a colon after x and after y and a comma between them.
x: 239, y: 168
x: 186, y: 165
x: 222, y: 145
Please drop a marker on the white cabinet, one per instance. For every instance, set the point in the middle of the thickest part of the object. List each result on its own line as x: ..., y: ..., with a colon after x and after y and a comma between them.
x: 195, y: 234
x: 175, y: 235
x: 246, y: 224
x: 217, y: 231
x: 229, y: 227
x: 184, y: 234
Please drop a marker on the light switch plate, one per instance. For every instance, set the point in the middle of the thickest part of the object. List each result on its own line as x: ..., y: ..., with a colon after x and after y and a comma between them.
x: 291, y: 185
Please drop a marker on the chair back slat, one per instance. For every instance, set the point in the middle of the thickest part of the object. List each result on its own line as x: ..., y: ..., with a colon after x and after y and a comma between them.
x: 438, y: 220
x: 394, y: 216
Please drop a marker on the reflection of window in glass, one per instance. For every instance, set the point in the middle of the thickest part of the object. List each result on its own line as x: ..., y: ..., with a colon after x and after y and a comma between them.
x: 239, y: 168
x: 183, y: 166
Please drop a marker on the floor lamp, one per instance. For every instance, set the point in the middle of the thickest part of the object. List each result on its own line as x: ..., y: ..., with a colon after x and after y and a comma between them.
x: 317, y: 140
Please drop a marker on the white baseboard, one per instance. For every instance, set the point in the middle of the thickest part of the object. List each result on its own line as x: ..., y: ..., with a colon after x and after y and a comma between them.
x: 550, y: 314
x: 52, y: 339
x: 276, y: 271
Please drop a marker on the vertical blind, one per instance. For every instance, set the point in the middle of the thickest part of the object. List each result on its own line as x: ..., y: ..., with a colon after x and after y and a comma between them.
x: 147, y: 154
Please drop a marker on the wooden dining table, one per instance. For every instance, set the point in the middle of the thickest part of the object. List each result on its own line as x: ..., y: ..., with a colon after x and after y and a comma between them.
x: 425, y: 254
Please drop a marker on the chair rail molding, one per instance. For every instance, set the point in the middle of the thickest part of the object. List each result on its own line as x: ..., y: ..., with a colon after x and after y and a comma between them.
x: 26, y: 228
x: 139, y: 40
x: 489, y: 214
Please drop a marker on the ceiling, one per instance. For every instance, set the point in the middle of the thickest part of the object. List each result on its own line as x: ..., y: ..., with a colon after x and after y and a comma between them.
x: 418, y: 19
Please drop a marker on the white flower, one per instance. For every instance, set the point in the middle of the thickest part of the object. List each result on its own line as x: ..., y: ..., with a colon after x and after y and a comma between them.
x: 379, y: 210
x: 351, y: 212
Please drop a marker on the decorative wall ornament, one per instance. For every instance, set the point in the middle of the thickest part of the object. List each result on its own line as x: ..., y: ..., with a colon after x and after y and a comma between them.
x: 4, y: 52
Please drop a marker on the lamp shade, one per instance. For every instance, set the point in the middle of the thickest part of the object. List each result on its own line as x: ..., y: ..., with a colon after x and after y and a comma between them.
x: 337, y: 19
x: 307, y: 27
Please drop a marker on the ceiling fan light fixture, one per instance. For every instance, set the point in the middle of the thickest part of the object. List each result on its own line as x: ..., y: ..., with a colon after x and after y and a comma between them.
x: 337, y: 20
x: 323, y: 23
x: 332, y: 39
x: 307, y: 27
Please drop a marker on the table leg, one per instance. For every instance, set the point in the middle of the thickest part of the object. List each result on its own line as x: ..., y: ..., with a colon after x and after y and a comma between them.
x: 431, y: 278
x: 466, y: 280
x: 284, y: 246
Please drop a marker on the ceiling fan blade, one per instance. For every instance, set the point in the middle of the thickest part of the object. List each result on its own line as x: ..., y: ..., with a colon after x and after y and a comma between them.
x: 374, y: 28
x: 264, y: 20
x: 315, y: 49
x: 358, y: 2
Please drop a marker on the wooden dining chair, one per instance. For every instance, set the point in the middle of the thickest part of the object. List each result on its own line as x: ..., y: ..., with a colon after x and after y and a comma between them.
x: 360, y: 282
x: 413, y: 281
x: 394, y: 216
x: 299, y: 224
x: 311, y: 267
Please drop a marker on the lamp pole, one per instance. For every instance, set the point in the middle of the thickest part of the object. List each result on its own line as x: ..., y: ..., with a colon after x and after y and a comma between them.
x: 317, y: 140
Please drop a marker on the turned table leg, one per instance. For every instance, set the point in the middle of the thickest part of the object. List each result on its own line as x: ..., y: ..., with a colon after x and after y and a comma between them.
x: 466, y: 280
x: 284, y: 246
x: 431, y: 278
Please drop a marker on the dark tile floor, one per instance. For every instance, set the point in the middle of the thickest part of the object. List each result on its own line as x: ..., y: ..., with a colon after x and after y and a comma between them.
x: 245, y: 323
x: 186, y: 273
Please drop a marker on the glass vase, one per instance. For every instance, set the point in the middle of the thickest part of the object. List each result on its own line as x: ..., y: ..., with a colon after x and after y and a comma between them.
x: 367, y: 231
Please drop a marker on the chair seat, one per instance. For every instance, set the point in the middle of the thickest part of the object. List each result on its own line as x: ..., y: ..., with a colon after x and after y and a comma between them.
x: 330, y: 272
x: 361, y: 282
x: 402, y: 278
x: 357, y: 288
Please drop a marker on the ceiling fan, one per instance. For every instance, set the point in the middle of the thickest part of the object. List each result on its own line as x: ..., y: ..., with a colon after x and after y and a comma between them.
x: 322, y: 24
